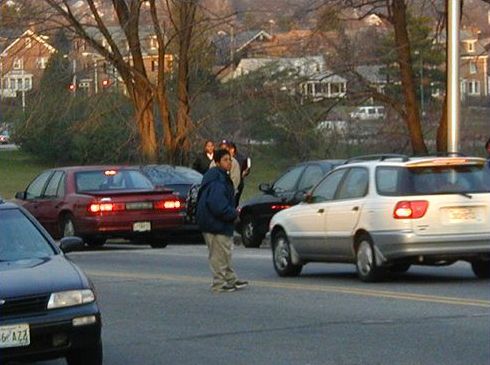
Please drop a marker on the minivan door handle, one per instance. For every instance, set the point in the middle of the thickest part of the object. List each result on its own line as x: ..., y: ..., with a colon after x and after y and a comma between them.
x: 320, y: 211
x: 355, y: 209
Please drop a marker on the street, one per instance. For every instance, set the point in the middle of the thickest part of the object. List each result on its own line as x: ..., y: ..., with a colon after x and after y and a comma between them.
x: 157, y: 309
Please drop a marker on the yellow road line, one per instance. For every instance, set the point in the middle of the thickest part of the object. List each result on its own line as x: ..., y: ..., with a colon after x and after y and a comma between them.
x: 307, y: 287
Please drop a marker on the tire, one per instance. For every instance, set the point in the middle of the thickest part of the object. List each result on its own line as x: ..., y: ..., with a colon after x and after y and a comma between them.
x: 367, y: 269
x: 157, y: 242
x: 251, y: 238
x: 281, y: 257
x: 399, y: 268
x: 95, y: 241
x: 67, y: 226
x: 86, y: 356
x: 481, y: 269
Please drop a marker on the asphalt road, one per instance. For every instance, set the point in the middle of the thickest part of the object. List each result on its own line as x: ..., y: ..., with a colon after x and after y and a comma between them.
x: 157, y: 309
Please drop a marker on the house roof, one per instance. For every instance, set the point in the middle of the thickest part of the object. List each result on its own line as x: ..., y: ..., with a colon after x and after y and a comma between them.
x: 306, y: 66
x: 372, y: 73
x: 328, y: 76
x: 29, y: 34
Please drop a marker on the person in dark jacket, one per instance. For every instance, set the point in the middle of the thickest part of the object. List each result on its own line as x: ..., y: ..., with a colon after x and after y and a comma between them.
x: 204, y: 158
x: 215, y: 216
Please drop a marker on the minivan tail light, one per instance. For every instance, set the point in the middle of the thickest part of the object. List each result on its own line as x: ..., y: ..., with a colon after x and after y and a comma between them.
x: 168, y: 204
x: 410, y: 209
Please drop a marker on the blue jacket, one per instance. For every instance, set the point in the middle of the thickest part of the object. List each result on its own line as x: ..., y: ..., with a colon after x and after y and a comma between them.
x: 216, y: 203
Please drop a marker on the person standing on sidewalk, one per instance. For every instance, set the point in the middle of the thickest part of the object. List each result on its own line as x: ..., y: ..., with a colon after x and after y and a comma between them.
x: 215, y: 215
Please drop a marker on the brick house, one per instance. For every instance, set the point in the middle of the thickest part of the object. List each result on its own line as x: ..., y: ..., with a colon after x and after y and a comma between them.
x: 93, y: 73
x: 473, y: 66
x: 22, y: 63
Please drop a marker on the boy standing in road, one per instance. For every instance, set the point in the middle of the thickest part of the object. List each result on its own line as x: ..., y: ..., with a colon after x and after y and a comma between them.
x: 215, y: 216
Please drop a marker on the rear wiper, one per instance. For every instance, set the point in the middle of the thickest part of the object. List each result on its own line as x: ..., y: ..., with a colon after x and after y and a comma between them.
x: 466, y: 195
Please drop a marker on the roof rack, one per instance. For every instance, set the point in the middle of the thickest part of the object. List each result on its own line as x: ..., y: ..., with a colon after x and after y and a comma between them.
x: 379, y: 157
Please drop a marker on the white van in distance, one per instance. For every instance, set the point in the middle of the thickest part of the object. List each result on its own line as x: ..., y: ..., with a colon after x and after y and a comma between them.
x: 368, y: 112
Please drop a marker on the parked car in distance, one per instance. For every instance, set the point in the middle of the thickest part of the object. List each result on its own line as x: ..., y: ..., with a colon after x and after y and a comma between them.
x: 385, y: 213
x: 368, y: 112
x: 184, y: 180
x: 48, y: 307
x: 289, y: 189
x: 5, y: 137
x: 101, y: 202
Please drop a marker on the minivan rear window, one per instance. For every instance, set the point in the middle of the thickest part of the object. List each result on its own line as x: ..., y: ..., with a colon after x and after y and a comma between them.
x: 400, y: 181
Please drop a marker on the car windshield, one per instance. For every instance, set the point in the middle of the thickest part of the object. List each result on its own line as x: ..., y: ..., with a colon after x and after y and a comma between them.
x: 20, y: 239
x: 432, y: 180
x: 166, y: 175
x: 104, y: 180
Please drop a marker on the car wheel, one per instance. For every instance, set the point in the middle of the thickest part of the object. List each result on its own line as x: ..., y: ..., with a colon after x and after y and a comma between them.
x: 250, y: 235
x: 86, y: 356
x: 67, y: 226
x: 367, y: 269
x: 95, y: 241
x: 281, y: 255
x: 481, y: 269
x: 400, y: 268
x: 157, y: 242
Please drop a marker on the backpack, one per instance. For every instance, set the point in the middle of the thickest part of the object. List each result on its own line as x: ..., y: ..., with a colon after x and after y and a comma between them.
x: 191, y: 203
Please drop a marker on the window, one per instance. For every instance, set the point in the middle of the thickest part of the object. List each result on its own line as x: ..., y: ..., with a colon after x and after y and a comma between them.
x: 471, y: 46
x: 28, y: 42
x: 326, y: 189
x: 18, y: 64
x: 154, y: 65
x: 28, y: 83
x: 153, y: 42
x: 311, y: 176
x: 288, y: 181
x: 20, y: 239
x: 52, y: 190
x: 473, y: 67
x: 41, y: 62
x: 355, y: 185
x: 35, y: 188
x: 116, y: 180
x: 473, y: 87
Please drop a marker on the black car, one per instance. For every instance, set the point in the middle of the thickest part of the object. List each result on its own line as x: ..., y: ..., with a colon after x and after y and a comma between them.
x: 289, y: 189
x: 48, y: 307
x: 182, y: 180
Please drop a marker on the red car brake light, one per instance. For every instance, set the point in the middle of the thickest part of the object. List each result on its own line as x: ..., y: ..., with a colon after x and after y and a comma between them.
x: 167, y: 204
x: 410, y: 209
x: 280, y: 206
x: 106, y: 207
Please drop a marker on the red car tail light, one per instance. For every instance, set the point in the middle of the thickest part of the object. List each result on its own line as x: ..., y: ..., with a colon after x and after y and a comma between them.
x: 106, y: 207
x: 167, y: 204
x: 410, y: 209
x: 280, y: 206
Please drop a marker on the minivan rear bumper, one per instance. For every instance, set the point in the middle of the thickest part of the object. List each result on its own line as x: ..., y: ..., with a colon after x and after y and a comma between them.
x: 396, y: 245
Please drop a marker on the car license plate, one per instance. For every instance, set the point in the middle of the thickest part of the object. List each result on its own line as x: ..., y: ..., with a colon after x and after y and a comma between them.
x: 16, y: 335
x: 139, y: 205
x: 458, y: 215
x: 141, y: 226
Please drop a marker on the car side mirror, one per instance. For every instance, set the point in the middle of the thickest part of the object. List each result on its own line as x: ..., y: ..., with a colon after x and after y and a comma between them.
x: 70, y: 244
x: 308, y: 198
x: 265, y: 187
x: 20, y: 195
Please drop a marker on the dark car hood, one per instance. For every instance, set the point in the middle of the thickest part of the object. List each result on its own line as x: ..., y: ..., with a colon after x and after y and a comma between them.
x: 38, y: 276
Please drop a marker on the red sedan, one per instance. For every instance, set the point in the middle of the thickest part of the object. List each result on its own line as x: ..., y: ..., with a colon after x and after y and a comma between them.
x: 101, y: 202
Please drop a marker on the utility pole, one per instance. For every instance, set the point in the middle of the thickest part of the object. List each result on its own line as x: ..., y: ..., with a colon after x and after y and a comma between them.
x: 453, y: 84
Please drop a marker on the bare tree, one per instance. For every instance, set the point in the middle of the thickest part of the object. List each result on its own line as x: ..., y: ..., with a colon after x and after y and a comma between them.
x: 173, y: 22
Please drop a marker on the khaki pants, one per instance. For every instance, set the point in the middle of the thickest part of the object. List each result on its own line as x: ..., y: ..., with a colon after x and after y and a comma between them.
x: 220, y: 247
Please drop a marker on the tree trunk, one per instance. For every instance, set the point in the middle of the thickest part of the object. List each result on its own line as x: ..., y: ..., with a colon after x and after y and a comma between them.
x: 143, y: 103
x: 402, y: 42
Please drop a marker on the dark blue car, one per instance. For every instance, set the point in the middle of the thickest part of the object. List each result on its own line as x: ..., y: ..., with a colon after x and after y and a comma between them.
x: 48, y: 307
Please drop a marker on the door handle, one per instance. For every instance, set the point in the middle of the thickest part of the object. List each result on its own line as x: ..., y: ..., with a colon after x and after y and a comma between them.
x: 320, y: 211
x: 355, y: 209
